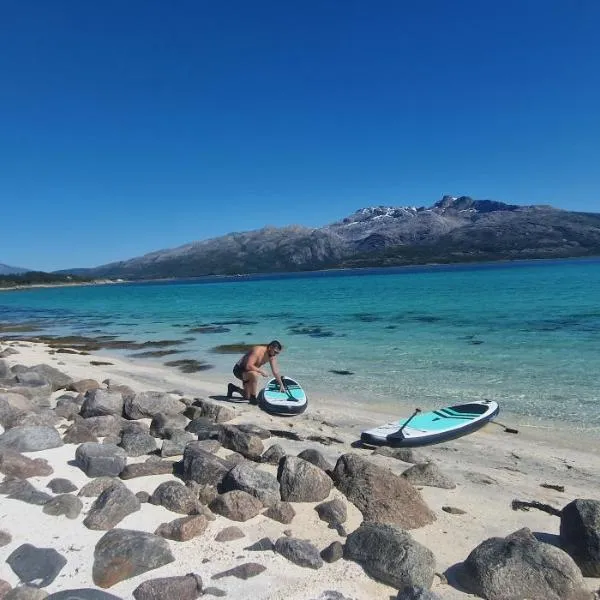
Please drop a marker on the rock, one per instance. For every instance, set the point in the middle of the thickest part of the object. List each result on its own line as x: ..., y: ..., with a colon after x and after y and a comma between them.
x: 78, y: 433
x: 158, y: 467
x: 300, y: 552
x: 204, y: 428
x: 316, y: 458
x: 98, y: 485
x: 453, y: 510
x: 176, y: 497
x: 301, y: 481
x: 183, y: 529
x: 111, y: 507
x: 29, y: 494
x: 213, y: 591
x: 124, y: 553
x: 97, y: 460
x: 333, y: 552
x: 163, y: 425
x: 215, y: 412
x: 82, y: 594
x: 39, y: 417
x: 416, y: 593
x: 252, y: 429
x: 186, y: 587
x: 175, y: 444
x: 57, y: 379
x: 64, y: 504
x: 15, y: 464
x: 5, y: 539
x: 137, y: 444
x: 98, y: 402
x: 408, y: 455
x: 390, y: 555
x: 236, y: 505
x: 332, y: 512
x: 83, y: 385
x: 203, y: 467
x: 61, y: 486
x: 580, y: 534
x: 104, y: 425
x: 283, y: 512
x: 205, y: 493
x: 273, y: 454
x: 5, y: 587
x: 26, y: 592
x: 30, y: 439
x: 332, y: 595
x: 247, y: 445
x: 143, y: 497
x: 150, y: 404
x: 262, y: 545
x: 229, y: 533
x: 67, y: 408
x: 520, y: 566
x: 379, y: 494
x: 428, y: 474
x: 40, y: 565
x: 243, y: 571
x: 260, y: 484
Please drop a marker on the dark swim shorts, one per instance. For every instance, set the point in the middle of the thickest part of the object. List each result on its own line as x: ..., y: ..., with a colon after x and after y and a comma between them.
x: 238, y: 372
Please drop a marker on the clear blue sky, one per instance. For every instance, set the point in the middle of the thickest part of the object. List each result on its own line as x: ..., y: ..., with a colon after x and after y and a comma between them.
x: 131, y: 126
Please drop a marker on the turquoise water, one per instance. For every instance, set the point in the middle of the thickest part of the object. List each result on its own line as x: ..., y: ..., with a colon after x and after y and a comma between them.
x: 525, y: 335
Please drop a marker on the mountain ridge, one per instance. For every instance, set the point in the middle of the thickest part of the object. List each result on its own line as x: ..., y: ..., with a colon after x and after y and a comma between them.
x: 454, y: 229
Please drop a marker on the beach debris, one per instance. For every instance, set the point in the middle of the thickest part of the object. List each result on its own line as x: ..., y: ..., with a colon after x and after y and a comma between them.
x: 523, y: 505
x: 580, y: 534
x: 390, y: 555
x: 124, y: 553
x: 301, y: 552
x: 380, y: 495
x: 521, y: 566
x: 301, y: 481
x: 186, y: 587
x: 553, y: 486
x: 428, y: 474
x: 37, y: 566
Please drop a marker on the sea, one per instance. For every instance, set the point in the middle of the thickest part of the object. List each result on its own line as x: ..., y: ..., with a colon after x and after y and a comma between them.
x: 526, y: 333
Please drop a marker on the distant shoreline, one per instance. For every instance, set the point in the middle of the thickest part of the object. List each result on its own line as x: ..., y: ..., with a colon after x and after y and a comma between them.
x: 64, y: 284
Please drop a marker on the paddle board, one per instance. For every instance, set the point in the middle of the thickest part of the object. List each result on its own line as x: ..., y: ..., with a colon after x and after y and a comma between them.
x: 292, y: 401
x: 433, y: 427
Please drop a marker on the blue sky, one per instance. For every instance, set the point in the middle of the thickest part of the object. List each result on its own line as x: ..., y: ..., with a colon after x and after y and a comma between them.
x: 127, y: 127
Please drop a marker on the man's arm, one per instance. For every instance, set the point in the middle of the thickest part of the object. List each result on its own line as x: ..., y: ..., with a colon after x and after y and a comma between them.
x: 274, y: 368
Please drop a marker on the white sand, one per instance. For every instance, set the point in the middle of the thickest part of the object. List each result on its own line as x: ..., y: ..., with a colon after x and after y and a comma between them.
x: 517, y: 463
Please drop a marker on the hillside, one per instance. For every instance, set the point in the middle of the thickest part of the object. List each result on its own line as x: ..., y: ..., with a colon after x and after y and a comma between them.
x: 452, y: 230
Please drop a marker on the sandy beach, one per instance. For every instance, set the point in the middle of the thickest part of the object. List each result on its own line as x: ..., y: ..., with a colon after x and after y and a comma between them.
x: 491, y: 468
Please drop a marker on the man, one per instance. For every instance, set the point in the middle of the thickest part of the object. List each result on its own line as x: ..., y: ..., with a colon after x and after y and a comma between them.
x: 248, y: 369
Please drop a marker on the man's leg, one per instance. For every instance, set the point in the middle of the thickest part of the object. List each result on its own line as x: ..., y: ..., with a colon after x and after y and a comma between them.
x: 251, y: 386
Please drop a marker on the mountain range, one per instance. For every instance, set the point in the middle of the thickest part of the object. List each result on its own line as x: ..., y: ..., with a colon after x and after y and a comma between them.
x: 451, y: 230
x: 8, y: 270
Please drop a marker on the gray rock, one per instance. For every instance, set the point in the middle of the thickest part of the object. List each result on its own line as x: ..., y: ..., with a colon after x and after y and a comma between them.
x: 30, y: 439
x: 235, y: 439
x: 38, y: 567
x: 203, y: 467
x: 137, y: 444
x: 60, y: 485
x: 333, y: 552
x: 64, y: 504
x: 214, y: 591
x: 15, y: 464
x: 428, y: 474
x: 236, y: 505
x: 416, y: 593
x: 186, y: 587
x: 263, y: 545
x: 157, y: 467
x: 40, y: 417
x: 252, y: 429
x: 204, y: 428
x: 260, y: 484
x: 301, y: 481
x: 183, y: 529
x: 580, y: 534
x: 300, y: 552
x: 83, y: 385
x: 29, y: 494
x: 143, y: 497
x: 229, y: 533
x: 78, y: 433
x: 175, y: 444
x: 283, y: 512
x: 273, y: 454
x: 390, y: 555
x: 98, y: 485
x: 124, y: 553
x: 97, y: 460
x: 163, y: 425
x: 5, y: 539
x: 243, y: 571
x: 215, y: 412
x: 408, y: 455
x: 150, y: 404
x: 176, y: 497
x: 332, y: 512
x: 98, y: 402
x: 111, y: 507
x: 26, y: 592
x: 520, y: 566
x: 31, y: 379
x: 379, y: 494
x: 57, y: 379
x: 316, y: 458
x: 82, y: 594
x: 104, y: 425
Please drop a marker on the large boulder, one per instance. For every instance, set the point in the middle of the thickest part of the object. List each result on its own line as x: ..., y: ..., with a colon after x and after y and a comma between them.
x: 301, y: 481
x: 390, y: 555
x: 149, y: 404
x: 30, y: 439
x: 379, y: 494
x: 185, y: 587
x: 258, y: 483
x: 202, y: 466
x: 97, y: 460
x: 111, y: 507
x: 100, y: 402
x: 580, y: 534
x: 248, y: 445
x: 519, y: 566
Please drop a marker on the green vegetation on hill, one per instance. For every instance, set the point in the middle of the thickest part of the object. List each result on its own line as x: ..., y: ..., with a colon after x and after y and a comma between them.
x: 32, y: 278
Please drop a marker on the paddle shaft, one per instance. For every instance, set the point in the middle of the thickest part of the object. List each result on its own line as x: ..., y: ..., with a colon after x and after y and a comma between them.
x: 417, y: 411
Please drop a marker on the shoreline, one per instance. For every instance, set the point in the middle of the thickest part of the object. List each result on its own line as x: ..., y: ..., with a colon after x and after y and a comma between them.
x: 490, y: 467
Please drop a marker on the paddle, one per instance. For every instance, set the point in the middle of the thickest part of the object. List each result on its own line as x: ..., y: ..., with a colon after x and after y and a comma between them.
x: 287, y: 391
x: 417, y: 411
